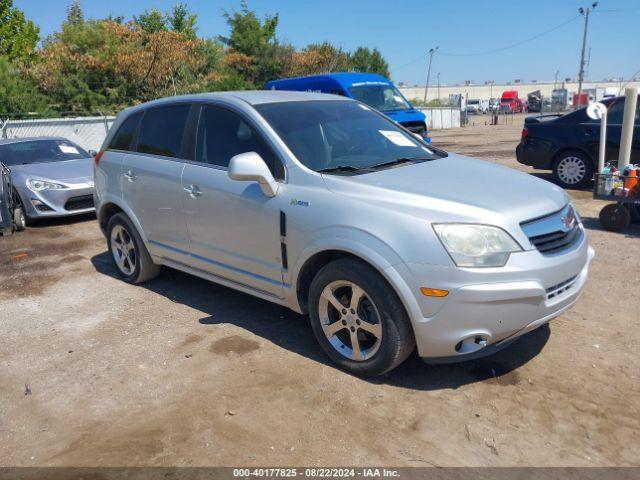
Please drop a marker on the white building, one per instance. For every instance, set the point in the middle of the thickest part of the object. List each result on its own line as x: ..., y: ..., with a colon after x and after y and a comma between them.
x: 486, y: 91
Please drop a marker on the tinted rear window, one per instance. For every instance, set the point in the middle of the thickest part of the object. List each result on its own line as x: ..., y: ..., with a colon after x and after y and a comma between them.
x: 122, y: 139
x: 161, y: 130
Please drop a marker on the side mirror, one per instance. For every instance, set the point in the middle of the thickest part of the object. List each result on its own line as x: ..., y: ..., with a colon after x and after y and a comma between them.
x: 93, y: 153
x: 250, y: 166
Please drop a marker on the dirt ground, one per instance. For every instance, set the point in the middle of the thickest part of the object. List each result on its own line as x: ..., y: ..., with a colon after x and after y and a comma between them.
x: 96, y: 372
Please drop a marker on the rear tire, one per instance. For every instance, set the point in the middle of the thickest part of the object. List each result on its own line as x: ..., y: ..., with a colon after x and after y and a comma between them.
x: 128, y: 252
x: 351, y: 302
x: 615, y: 217
x: 573, y: 169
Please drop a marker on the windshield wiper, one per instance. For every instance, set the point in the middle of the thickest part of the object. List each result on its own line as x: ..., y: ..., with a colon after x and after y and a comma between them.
x: 399, y: 161
x: 343, y: 168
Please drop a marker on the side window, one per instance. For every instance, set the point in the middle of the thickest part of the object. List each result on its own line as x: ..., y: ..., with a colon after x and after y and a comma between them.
x: 222, y: 134
x: 124, y: 136
x: 615, y: 112
x: 161, y: 130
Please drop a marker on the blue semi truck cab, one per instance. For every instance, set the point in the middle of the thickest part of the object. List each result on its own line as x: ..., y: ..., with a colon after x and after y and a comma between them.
x: 374, y: 90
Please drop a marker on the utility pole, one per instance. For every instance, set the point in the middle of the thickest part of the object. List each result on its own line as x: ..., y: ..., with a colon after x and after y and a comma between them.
x: 426, y: 88
x: 584, y: 13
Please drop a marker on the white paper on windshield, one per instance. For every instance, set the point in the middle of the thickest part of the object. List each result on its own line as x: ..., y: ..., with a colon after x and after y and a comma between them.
x: 397, y: 138
x: 68, y: 149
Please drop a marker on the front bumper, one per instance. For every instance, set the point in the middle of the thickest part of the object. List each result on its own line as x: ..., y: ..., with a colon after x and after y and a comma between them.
x: 75, y: 200
x: 488, y: 307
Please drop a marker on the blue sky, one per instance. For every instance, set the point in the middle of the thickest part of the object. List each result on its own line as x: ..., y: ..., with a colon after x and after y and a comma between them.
x: 405, y: 30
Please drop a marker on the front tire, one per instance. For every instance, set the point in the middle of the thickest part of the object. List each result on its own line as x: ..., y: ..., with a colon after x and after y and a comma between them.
x: 128, y: 252
x: 573, y: 169
x: 19, y: 219
x: 358, y: 319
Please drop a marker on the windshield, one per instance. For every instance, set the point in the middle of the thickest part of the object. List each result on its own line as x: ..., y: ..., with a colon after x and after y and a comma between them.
x: 507, y: 100
x: 380, y: 97
x: 473, y: 102
x: 329, y: 134
x: 39, y: 151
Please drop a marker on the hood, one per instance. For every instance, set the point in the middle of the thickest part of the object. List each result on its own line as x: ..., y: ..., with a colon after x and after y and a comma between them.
x: 67, y: 171
x: 411, y: 115
x: 455, y: 188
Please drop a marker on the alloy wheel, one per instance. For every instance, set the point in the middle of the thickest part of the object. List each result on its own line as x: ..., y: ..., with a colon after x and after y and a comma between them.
x: 571, y: 170
x: 123, y: 250
x: 350, y: 320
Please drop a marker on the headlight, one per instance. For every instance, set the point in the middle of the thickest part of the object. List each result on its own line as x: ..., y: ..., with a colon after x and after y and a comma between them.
x: 471, y: 245
x: 37, y: 185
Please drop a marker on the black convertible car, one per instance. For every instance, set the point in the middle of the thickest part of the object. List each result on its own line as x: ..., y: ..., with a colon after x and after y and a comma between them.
x: 568, y: 144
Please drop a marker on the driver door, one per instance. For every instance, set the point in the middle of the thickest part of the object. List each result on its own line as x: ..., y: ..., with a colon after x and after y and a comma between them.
x: 233, y: 228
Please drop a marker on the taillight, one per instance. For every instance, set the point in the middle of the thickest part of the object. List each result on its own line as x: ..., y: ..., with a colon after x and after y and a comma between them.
x: 525, y: 133
x: 96, y: 159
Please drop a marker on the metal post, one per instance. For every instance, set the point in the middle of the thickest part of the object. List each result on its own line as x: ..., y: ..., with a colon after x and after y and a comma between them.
x: 628, y: 120
x: 426, y: 89
x: 602, y: 148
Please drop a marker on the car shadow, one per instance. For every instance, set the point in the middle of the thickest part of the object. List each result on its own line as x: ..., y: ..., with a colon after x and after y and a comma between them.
x: 57, y: 221
x: 592, y: 223
x: 548, y: 176
x: 292, y: 331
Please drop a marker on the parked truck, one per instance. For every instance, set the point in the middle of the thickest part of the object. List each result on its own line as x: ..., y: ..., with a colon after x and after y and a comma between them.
x: 510, y: 102
x: 534, y: 101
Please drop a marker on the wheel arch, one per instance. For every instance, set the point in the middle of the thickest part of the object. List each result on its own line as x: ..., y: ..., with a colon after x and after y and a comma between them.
x: 558, y: 155
x: 319, y: 257
x: 110, y: 207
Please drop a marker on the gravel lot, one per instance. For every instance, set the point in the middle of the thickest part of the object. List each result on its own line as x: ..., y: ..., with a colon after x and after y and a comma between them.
x: 179, y: 371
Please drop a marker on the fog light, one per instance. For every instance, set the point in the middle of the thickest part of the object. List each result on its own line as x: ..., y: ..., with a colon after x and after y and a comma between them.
x: 434, y: 292
x: 40, y: 206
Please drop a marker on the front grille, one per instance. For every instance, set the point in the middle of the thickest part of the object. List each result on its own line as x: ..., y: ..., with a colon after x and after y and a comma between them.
x: 554, y: 233
x: 415, y: 127
x: 79, y: 203
x: 555, y: 241
x: 559, y: 289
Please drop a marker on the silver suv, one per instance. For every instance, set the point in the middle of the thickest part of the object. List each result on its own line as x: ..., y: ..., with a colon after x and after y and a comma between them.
x: 321, y: 204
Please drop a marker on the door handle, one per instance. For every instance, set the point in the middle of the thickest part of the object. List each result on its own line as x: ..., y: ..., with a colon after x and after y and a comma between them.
x: 132, y: 177
x: 193, y: 191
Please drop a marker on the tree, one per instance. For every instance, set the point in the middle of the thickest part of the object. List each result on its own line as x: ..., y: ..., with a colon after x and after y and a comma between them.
x: 75, y: 15
x: 151, y: 21
x: 17, y: 93
x: 252, y: 46
x: 18, y: 36
x: 365, y: 60
x: 182, y: 21
x: 106, y: 66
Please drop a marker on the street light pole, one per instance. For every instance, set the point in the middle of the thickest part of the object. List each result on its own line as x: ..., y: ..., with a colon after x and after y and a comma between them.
x: 438, y: 87
x: 555, y: 80
x: 426, y: 89
x: 585, y: 13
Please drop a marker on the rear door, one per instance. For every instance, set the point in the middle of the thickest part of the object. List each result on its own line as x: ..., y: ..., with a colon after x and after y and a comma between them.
x: 234, y: 229
x: 151, y: 179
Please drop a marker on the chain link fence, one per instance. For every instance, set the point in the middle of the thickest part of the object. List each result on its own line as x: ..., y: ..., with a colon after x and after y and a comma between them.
x: 88, y: 132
